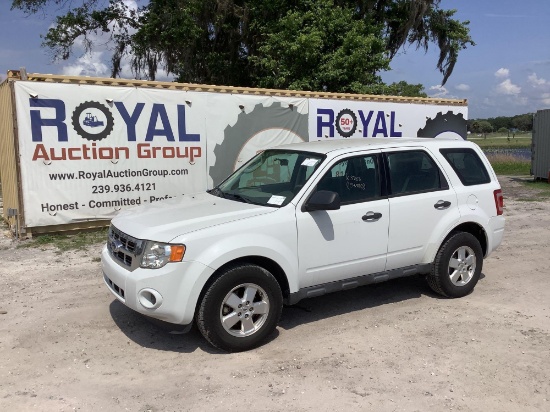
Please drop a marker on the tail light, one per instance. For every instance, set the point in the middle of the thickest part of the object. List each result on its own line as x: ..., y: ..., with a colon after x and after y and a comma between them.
x: 499, y: 201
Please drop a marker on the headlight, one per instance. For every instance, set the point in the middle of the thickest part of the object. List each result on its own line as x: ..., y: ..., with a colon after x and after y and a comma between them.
x: 156, y: 254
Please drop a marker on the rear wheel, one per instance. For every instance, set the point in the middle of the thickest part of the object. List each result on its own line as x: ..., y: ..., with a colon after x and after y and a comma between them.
x: 457, y: 266
x: 240, y: 308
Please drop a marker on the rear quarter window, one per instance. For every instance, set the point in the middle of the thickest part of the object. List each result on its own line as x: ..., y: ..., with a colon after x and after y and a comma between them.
x: 414, y: 171
x: 467, y: 165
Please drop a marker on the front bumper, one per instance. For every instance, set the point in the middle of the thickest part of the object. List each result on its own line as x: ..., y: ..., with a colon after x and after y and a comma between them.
x: 169, y: 294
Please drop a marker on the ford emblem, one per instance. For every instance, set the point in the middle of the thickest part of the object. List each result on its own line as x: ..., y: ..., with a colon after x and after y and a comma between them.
x: 116, y: 245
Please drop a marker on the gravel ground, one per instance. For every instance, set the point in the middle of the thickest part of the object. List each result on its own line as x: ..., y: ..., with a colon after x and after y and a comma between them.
x: 66, y: 344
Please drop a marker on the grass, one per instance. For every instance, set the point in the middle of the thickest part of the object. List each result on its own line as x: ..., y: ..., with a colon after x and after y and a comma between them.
x: 539, y: 189
x: 496, y: 141
x: 77, y: 241
x: 509, y: 165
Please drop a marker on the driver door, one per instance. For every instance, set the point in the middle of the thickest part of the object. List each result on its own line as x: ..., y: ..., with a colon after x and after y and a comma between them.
x: 339, y: 244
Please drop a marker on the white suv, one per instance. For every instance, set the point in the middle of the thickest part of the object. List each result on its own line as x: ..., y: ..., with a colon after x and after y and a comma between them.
x: 303, y: 220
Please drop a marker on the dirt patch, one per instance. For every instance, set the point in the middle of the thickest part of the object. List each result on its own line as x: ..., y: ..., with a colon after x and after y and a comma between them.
x: 66, y: 344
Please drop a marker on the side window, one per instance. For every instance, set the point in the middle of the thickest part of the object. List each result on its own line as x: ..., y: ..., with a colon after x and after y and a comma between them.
x: 467, y: 165
x: 355, y: 179
x: 414, y: 172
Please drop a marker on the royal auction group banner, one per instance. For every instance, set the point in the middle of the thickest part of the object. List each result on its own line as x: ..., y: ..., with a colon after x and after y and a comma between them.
x: 87, y: 151
x: 330, y: 119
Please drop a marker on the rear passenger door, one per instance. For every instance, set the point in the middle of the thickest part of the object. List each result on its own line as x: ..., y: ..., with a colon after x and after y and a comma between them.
x: 423, y: 207
x: 352, y: 241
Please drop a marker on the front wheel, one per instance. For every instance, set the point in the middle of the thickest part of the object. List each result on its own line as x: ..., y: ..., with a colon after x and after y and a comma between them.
x: 240, y: 308
x: 457, y: 266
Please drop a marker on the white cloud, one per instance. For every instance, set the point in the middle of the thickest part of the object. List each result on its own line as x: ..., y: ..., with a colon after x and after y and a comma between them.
x: 462, y: 87
x: 439, y: 90
x: 508, y: 88
x: 502, y: 73
x: 88, y: 65
x: 132, y: 4
x: 534, y: 80
x: 545, y: 99
x: 96, y: 63
x: 522, y: 101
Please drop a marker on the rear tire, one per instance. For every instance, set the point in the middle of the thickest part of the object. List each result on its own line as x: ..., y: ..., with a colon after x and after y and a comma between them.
x: 241, y: 308
x: 457, y: 266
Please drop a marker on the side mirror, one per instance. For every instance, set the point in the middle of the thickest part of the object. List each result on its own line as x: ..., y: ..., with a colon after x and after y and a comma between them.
x: 323, y: 200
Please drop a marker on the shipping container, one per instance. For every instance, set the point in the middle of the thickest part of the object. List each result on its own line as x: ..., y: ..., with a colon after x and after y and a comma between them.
x: 540, y: 145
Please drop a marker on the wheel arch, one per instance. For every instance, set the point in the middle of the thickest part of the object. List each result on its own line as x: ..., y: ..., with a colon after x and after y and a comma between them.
x: 474, y: 229
x: 269, y: 264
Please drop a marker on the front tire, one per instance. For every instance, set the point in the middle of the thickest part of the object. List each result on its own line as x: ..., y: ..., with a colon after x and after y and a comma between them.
x: 240, y: 308
x: 457, y: 266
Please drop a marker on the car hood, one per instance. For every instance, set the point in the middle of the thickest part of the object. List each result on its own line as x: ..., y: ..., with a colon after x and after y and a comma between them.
x: 163, y: 221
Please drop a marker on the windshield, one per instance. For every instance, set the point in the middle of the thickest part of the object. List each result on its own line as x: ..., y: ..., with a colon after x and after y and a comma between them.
x: 271, y: 178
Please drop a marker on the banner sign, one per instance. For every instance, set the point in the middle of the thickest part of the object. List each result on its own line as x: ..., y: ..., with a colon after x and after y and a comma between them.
x: 87, y: 151
x: 240, y: 126
x: 330, y: 119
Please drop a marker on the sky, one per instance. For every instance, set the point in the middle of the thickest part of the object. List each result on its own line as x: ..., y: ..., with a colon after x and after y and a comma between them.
x: 505, y: 74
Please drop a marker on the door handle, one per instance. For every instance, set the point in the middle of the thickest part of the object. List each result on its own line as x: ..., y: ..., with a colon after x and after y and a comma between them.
x: 442, y: 204
x: 371, y: 217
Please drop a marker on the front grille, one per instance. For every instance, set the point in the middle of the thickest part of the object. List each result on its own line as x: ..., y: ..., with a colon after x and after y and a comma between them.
x: 125, y: 249
x: 126, y: 259
x: 129, y: 243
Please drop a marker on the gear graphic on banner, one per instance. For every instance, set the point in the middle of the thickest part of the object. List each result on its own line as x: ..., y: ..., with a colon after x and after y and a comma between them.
x: 274, y: 117
x: 443, y: 123
x: 92, y: 121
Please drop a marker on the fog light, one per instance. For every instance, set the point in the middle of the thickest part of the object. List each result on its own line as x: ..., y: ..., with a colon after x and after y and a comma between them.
x: 149, y: 298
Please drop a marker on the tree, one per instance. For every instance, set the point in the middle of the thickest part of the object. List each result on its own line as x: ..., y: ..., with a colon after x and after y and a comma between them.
x: 404, y: 89
x: 321, y: 47
x: 500, y: 122
x: 482, y: 127
x: 324, y: 45
x: 523, y: 122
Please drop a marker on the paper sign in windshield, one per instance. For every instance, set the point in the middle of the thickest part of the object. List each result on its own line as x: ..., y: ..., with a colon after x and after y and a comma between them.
x: 310, y: 162
x: 276, y: 200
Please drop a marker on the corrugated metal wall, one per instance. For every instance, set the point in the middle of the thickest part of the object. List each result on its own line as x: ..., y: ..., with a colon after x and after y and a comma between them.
x: 541, y: 145
x: 8, y: 160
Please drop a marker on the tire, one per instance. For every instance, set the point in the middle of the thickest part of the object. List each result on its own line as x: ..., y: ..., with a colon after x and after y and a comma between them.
x: 457, y: 266
x: 230, y: 321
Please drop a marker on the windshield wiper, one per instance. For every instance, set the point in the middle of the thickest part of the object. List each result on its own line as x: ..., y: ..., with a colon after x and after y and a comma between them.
x: 226, y: 195
x: 240, y: 198
x: 216, y: 192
